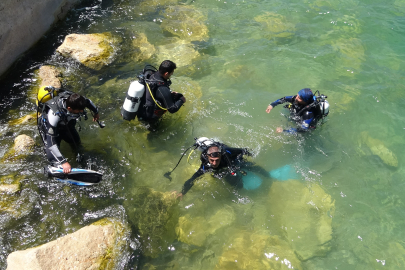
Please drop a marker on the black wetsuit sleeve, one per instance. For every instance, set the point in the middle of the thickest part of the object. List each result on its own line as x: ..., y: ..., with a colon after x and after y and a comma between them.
x: 190, y: 182
x: 165, y: 97
x: 234, y: 153
x: 91, y: 106
x: 283, y: 100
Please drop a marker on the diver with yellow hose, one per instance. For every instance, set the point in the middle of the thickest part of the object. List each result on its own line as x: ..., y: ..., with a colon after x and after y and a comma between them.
x: 158, y: 98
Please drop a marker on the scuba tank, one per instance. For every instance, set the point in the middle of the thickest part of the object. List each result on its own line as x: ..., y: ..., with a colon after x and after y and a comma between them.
x: 46, y: 93
x: 136, y: 92
x: 132, y: 100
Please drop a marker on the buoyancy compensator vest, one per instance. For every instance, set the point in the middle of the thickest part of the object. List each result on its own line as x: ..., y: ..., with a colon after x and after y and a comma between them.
x: 320, y: 106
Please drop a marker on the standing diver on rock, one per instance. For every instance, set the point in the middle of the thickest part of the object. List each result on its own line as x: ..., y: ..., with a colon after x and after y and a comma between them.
x: 306, y: 110
x: 224, y: 162
x: 58, y: 120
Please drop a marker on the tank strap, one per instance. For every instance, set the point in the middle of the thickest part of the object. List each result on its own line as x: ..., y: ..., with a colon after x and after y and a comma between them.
x: 133, y: 99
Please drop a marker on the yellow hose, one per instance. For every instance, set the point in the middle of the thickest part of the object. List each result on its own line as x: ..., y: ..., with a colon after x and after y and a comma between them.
x: 154, y: 98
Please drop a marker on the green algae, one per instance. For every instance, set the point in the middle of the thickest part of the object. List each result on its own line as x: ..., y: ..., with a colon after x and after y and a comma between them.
x: 155, y: 215
x: 114, y: 253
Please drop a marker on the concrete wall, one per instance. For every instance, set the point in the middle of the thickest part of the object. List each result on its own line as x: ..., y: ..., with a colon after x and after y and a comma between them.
x: 23, y: 22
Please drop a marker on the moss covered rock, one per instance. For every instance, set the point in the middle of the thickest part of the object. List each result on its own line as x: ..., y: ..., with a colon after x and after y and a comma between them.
x: 155, y: 215
x: 10, y: 184
x: 27, y: 119
x: 185, y: 22
x: 92, y: 50
x: 257, y: 251
x: 100, y: 245
x: 194, y: 230
x: 143, y: 49
x: 275, y: 26
x: 23, y: 146
x: 378, y: 148
x: 305, y: 216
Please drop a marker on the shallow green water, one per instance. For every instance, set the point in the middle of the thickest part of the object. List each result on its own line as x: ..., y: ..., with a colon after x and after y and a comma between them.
x: 254, y: 53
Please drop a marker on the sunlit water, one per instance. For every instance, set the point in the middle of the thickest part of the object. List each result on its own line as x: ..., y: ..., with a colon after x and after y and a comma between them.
x: 254, y: 53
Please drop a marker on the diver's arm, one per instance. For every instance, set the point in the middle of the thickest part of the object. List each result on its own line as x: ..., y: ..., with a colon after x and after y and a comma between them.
x: 93, y: 108
x: 190, y: 182
x: 282, y: 100
x: 52, y: 132
x: 164, y: 95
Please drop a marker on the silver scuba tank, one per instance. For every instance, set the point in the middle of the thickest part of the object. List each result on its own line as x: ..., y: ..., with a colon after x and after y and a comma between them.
x: 132, y: 101
x: 324, y: 107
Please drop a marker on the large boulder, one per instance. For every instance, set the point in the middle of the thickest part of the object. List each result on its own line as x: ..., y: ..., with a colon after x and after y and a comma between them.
x: 23, y: 146
x: 305, y: 216
x: 100, y: 245
x: 92, y: 50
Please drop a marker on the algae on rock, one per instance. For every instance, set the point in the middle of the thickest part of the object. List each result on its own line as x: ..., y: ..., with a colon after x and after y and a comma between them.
x: 378, y: 148
x: 101, y: 245
x: 256, y: 251
x: 92, y: 50
x: 305, y: 216
x: 185, y: 22
x: 275, y: 26
x: 195, y: 230
x: 155, y: 215
x: 23, y: 146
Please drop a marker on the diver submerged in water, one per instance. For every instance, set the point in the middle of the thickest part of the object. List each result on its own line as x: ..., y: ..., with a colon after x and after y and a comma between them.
x: 57, y: 122
x: 223, y: 162
x: 306, y: 109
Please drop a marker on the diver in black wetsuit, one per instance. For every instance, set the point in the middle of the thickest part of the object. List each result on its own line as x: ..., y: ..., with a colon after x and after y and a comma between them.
x: 158, y: 98
x: 305, y: 110
x: 58, y: 121
x: 224, y: 162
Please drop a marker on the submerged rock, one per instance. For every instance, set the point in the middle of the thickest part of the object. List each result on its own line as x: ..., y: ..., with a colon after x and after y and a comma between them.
x: 195, y: 230
x: 92, y: 50
x: 29, y: 118
x: 155, y: 215
x: 351, y: 55
x: 185, y: 22
x: 23, y: 146
x: 143, y: 49
x: 100, y: 245
x: 181, y: 52
x: 378, y: 148
x: 253, y: 251
x: 304, y: 214
x: 10, y: 184
x: 275, y: 26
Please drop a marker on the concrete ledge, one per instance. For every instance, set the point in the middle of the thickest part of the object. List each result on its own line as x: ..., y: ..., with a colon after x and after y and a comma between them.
x: 23, y: 22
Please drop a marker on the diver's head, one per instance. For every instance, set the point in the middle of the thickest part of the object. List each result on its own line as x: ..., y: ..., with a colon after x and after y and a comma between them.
x: 214, y: 156
x: 305, y: 96
x: 166, y: 69
x: 75, y: 103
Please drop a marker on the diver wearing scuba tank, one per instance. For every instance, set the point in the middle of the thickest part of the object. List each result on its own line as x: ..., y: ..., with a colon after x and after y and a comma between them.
x: 58, y: 121
x: 158, y: 97
x: 305, y: 110
x: 222, y: 161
